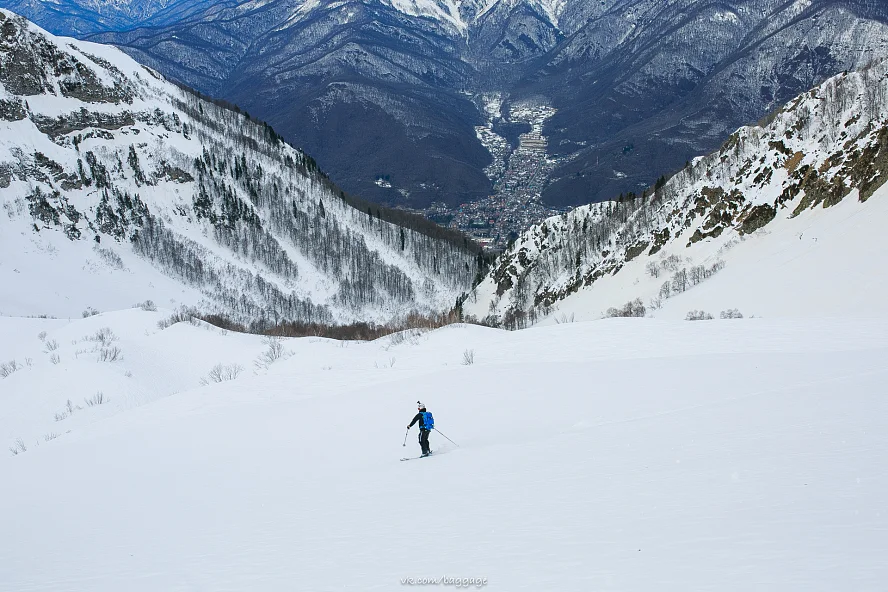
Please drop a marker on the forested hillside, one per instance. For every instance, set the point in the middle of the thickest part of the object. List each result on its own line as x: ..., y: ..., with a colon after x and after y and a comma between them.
x: 102, y: 151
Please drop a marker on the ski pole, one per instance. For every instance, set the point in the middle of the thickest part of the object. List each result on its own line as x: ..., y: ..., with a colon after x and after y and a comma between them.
x: 448, y: 439
x: 405, y: 437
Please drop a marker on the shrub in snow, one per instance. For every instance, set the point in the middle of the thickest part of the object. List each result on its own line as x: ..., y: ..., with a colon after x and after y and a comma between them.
x: 680, y: 281
x: 41, y: 336
x: 273, y: 353
x: 111, y: 258
x: 731, y: 313
x: 97, y: 399
x: 51, y: 345
x: 671, y: 263
x: 90, y: 312
x: 18, y: 447
x: 183, y: 315
x: 8, y: 368
x: 468, y: 357
x: 104, y: 336
x: 716, y: 267
x: 635, y: 308
x: 50, y: 436
x: 54, y: 358
x: 565, y: 319
x: 110, y: 354
x: 698, y: 315
x: 147, y: 306
x: 653, y: 269
x: 221, y: 373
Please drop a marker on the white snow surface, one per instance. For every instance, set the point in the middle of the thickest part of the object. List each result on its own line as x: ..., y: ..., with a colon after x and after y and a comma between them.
x: 824, y: 262
x: 624, y: 454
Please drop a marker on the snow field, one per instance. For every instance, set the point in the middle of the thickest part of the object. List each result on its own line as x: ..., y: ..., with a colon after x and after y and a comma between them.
x: 627, y: 454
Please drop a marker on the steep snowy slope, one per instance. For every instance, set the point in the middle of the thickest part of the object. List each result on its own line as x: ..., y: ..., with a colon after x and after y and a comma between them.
x: 106, y: 167
x: 765, y: 200
x: 626, y: 454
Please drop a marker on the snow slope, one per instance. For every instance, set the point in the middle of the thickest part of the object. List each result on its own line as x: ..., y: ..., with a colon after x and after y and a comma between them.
x: 820, y: 263
x: 627, y: 454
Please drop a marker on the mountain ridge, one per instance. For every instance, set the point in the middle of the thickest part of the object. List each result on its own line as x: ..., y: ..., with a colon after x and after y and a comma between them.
x: 819, y: 150
x: 98, y: 147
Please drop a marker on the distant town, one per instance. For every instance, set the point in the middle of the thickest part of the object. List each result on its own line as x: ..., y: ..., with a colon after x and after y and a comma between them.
x: 519, y: 176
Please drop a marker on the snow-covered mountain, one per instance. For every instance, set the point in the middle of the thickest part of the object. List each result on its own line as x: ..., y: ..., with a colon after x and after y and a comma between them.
x: 644, y: 85
x: 638, y: 86
x: 118, y: 186
x: 83, y: 17
x: 783, y: 207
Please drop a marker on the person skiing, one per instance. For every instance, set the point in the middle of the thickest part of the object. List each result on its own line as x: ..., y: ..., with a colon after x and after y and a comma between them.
x: 426, y: 425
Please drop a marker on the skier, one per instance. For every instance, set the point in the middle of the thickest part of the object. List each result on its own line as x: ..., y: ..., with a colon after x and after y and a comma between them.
x: 426, y: 425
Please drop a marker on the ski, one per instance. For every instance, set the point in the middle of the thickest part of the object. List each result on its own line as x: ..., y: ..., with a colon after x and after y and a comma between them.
x: 414, y: 457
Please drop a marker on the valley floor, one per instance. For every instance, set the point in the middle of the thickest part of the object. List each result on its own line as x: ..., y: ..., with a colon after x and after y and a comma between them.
x: 625, y: 454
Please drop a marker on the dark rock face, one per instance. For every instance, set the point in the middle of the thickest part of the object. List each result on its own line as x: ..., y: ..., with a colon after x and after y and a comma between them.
x: 31, y: 65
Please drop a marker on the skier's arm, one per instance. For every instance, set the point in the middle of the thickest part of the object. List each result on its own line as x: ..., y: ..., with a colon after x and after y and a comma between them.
x: 415, y: 419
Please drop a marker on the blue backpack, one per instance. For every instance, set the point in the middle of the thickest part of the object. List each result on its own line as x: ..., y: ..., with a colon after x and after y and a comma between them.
x: 428, y: 422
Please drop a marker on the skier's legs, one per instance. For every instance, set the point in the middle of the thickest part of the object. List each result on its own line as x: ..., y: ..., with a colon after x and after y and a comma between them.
x: 424, y: 440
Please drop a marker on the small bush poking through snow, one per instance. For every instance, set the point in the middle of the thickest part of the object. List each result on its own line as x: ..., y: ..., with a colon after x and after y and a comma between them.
x: 634, y: 308
x: 273, y: 353
x: 110, y: 354
x: 51, y: 345
x: 698, y: 315
x: 468, y: 357
x: 41, y: 336
x: 564, y: 319
x: 147, y: 306
x: 50, y: 436
x: 111, y: 258
x: 731, y: 313
x: 18, y: 447
x: 96, y: 399
x: 183, y: 315
x: 55, y: 359
x: 90, y: 312
x: 104, y: 336
x: 221, y: 373
x: 69, y: 410
x: 653, y: 269
x: 8, y: 368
